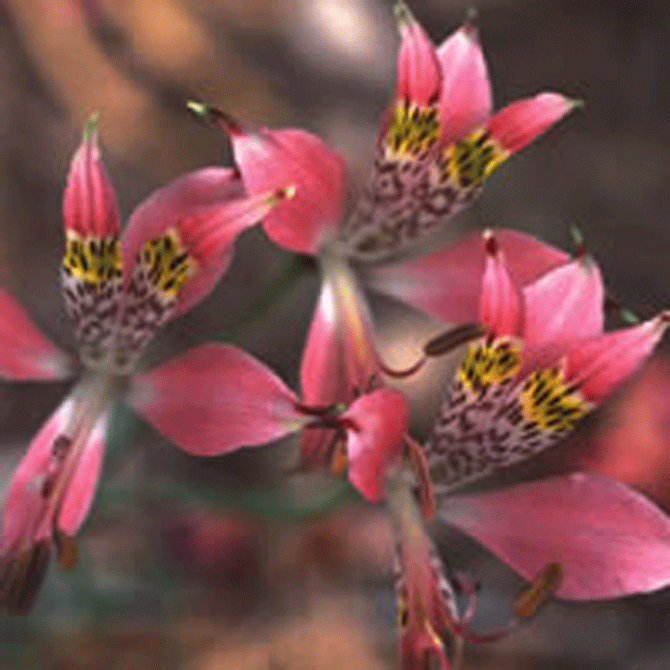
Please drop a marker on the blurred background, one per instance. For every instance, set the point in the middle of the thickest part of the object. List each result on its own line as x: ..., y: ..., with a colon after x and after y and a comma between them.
x: 206, y: 564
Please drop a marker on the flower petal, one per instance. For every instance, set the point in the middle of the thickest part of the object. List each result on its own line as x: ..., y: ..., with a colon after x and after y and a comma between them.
x: 609, y: 539
x: 501, y: 304
x: 274, y: 159
x: 214, y: 399
x: 24, y: 352
x: 339, y: 360
x: 89, y: 201
x: 80, y: 492
x: 381, y: 419
x: 564, y: 305
x: 600, y: 364
x: 497, y: 413
x: 466, y: 98
x: 91, y: 270
x: 419, y: 72
x: 447, y: 284
x: 26, y: 514
x: 177, y: 245
x: 518, y: 124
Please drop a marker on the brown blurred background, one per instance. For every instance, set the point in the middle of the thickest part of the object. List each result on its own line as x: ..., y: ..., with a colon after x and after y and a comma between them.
x: 173, y: 575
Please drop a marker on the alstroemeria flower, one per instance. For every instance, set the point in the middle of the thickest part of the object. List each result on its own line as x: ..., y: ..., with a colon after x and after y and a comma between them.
x: 249, y: 405
x: 543, y: 364
x: 119, y: 289
x: 437, y: 145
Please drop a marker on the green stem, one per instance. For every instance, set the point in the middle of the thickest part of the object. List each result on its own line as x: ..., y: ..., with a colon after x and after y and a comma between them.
x: 269, y: 505
x: 279, y: 284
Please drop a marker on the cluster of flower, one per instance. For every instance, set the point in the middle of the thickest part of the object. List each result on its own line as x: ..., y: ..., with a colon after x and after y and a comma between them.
x: 532, y: 319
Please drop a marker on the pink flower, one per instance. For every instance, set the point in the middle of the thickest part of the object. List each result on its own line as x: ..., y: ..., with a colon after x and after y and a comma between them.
x: 118, y: 291
x: 249, y: 405
x: 543, y: 364
x: 437, y: 145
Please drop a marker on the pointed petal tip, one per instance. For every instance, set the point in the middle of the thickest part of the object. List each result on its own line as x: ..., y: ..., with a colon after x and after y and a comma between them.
x: 575, y: 103
x: 629, y: 316
x: 470, y: 25
x: 91, y: 127
x: 220, y: 119
x: 490, y: 242
x: 403, y: 14
x: 200, y: 109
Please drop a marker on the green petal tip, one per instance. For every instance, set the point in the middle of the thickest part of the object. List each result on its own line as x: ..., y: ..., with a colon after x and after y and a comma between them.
x: 577, y: 236
x: 91, y: 126
x: 628, y: 316
x: 403, y: 15
x: 198, y: 108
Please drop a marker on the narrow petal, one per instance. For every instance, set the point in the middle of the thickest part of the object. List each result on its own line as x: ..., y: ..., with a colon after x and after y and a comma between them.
x: 465, y: 99
x: 597, y: 366
x: 204, y: 211
x: 610, y: 540
x: 91, y: 270
x: 177, y: 245
x: 564, y: 305
x: 518, y: 124
x: 426, y: 601
x: 380, y: 419
x: 25, y: 517
x: 419, y: 73
x: 339, y: 360
x: 49, y: 496
x: 214, y: 399
x: 447, y: 284
x: 501, y: 304
x: 81, y: 488
x: 273, y: 159
x: 89, y: 201
x: 25, y: 353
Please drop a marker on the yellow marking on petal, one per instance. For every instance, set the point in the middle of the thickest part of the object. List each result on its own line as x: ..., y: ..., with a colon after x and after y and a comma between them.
x: 168, y: 263
x: 551, y: 403
x: 470, y: 161
x: 92, y: 259
x: 489, y: 363
x: 413, y: 130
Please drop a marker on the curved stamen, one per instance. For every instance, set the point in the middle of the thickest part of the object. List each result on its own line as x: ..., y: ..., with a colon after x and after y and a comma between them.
x: 400, y: 374
x: 453, y: 338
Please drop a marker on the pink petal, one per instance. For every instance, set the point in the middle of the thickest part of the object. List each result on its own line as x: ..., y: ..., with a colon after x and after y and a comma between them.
x: 89, y: 201
x: 609, y: 539
x: 26, y: 513
x: 419, y: 73
x: 339, y: 358
x: 381, y: 419
x: 600, y: 364
x: 81, y: 488
x: 447, y: 284
x: 501, y: 306
x: 518, y: 124
x: 273, y: 159
x: 24, y: 352
x: 466, y: 98
x: 214, y: 399
x: 208, y: 210
x: 564, y: 305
